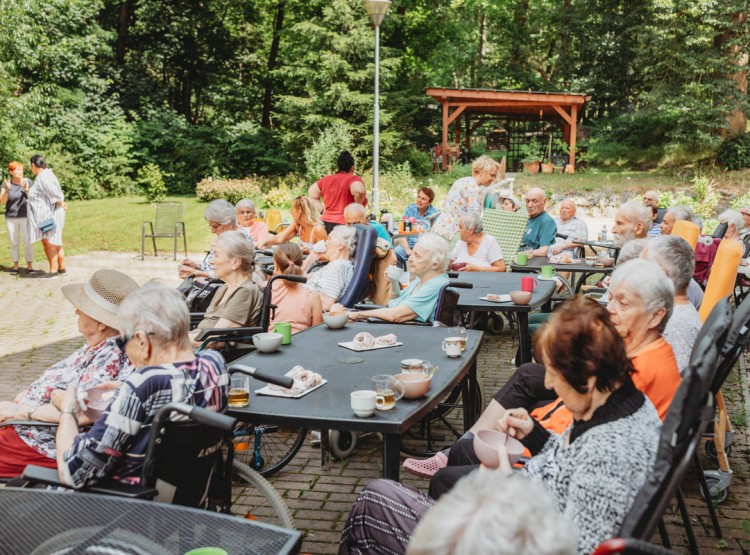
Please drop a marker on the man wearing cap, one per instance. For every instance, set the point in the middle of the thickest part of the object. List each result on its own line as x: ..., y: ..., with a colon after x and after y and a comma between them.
x: 570, y: 228
x: 541, y: 228
x: 337, y: 191
x: 100, y: 360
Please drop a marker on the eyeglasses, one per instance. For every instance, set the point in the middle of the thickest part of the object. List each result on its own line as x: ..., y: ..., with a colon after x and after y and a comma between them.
x: 123, y: 340
x: 745, y: 213
x: 214, y: 226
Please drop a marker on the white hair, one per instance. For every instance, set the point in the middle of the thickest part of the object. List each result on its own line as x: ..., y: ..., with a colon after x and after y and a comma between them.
x: 159, y: 311
x: 681, y: 213
x: 221, y: 212
x: 356, y: 207
x: 345, y: 235
x: 437, y: 248
x: 247, y: 203
x: 472, y: 222
x: 732, y: 217
x: 636, y: 212
x: 631, y: 249
x: 488, y: 513
x: 649, y: 282
x: 237, y: 245
x: 675, y: 257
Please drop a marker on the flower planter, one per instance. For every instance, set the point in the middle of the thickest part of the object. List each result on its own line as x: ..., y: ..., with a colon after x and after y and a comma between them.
x: 531, y: 166
x: 548, y: 168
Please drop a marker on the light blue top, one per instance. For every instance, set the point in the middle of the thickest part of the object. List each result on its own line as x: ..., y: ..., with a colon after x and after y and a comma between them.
x: 413, y: 212
x: 382, y: 232
x: 423, y: 300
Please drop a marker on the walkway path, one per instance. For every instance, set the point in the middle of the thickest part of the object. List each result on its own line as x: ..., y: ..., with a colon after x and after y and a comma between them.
x: 38, y: 328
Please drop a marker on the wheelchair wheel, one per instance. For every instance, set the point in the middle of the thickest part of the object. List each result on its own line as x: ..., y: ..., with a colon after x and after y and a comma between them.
x: 711, y: 449
x: 717, y: 495
x: 254, y: 498
x: 342, y: 443
x: 276, y: 446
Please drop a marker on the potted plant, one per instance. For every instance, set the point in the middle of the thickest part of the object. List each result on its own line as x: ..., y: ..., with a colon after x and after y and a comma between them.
x: 548, y: 166
x: 532, y: 156
x: 562, y: 148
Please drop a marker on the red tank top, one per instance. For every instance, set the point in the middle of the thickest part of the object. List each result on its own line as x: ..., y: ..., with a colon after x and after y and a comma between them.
x: 335, y: 189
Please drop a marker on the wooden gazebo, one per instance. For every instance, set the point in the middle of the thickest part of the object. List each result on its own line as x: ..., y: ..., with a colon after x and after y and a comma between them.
x: 561, y: 108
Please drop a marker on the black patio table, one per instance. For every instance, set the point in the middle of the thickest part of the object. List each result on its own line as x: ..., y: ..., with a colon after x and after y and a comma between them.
x: 503, y: 283
x: 328, y: 407
x: 44, y: 522
x: 535, y: 265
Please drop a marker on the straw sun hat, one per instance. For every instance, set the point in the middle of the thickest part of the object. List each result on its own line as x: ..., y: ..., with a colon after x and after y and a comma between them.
x: 100, y: 297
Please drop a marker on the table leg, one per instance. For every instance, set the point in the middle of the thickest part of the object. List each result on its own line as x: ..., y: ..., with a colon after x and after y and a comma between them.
x: 391, y: 456
x: 324, y: 450
x: 524, y: 337
x: 469, y: 394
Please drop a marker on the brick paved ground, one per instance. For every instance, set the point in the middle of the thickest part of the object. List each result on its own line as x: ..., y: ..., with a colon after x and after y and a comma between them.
x: 39, y: 328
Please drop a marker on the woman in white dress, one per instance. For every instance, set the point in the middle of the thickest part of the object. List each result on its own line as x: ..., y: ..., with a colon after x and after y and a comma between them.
x: 46, y: 200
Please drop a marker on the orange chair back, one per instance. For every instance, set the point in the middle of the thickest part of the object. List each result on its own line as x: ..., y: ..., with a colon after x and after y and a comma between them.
x: 723, y: 275
x: 687, y: 230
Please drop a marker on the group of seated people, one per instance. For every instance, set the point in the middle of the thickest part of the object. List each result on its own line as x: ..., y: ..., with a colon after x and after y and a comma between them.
x: 588, y: 413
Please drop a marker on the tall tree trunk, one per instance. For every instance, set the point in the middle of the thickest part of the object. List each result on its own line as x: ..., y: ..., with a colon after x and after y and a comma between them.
x: 123, y: 25
x: 278, y: 25
x: 737, y: 119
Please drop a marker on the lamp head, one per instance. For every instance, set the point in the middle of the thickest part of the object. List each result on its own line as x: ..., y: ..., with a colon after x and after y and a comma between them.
x: 376, y: 9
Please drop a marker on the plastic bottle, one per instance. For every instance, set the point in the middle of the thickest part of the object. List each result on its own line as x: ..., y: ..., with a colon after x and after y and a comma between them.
x: 603, y: 236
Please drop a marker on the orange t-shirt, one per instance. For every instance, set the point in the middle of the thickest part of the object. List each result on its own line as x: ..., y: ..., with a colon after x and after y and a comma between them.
x: 656, y: 375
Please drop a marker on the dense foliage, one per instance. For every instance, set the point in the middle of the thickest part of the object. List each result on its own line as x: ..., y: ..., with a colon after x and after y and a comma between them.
x: 230, y: 90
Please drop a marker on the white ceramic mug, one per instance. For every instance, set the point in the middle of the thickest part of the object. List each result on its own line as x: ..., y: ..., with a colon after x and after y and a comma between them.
x: 363, y: 403
x: 452, y: 346
x: 393, y: 272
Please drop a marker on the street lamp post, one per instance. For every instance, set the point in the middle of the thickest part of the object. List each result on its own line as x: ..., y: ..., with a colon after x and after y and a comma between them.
x: 376, y: 9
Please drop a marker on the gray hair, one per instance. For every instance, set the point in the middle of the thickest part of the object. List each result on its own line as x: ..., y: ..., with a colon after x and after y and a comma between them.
x: 474, y: 517
x: 631, y: 249
x: 675, y: 257
x: 357, y: 207
x: 158, y: 310
x: 637, y: 212
x: 437, y: 248
x: 472, y: 222
x: 346, y: 236
x: 732, y: 217
x: 221, y: 212
x: 681, y: 213
x: 239, y: 246
x: 247, y: 203
x: 649, y: 282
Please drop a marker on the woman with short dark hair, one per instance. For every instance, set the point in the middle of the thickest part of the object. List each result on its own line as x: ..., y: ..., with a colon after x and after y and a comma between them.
x: 47, y: 202
x: 14, y: 195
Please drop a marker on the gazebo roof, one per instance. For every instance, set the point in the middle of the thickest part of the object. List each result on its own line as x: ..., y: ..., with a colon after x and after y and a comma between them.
x: 510, y: 103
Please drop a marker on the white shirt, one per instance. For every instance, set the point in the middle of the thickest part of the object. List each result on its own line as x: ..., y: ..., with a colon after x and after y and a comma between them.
x: 486, y: 254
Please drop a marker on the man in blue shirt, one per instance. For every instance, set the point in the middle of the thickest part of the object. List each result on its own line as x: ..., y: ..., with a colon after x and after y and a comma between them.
x: 541, y: 228
x: 355, y: 213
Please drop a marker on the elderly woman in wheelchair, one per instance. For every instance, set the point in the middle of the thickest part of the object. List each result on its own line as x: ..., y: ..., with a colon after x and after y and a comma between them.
x: 100, y: 360
x: 238, y: 301
x: 154, y: 323
x: 428, y: 263
x: 593, y: 470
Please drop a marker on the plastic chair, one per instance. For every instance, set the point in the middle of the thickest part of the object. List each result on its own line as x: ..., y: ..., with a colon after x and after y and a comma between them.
x: 169, y: 222
x: 691, y: 410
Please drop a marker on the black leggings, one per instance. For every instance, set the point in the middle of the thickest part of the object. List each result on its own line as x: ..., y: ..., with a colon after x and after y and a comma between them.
x: 524, y: 389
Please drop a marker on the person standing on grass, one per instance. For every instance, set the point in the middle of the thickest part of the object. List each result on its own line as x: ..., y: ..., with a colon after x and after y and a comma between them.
x: 337, y: 191
x: 46, y: 201
x: 14, y: 196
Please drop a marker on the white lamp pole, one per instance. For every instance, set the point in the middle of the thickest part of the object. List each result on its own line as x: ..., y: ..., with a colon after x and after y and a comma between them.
x: 376, y: 9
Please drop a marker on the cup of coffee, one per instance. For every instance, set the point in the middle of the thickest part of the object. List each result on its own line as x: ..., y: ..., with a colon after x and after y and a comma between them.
x: 412, y: 365
x: 521, y: 259
x: 590, y: 260
x: 460, y: 331
x: 528, y: 283
x: 452, y: 346
x: 547, y: 271
x: 285, y: 329
x: 239, y: 390
x: 388, y: 390
x: 363, y: 403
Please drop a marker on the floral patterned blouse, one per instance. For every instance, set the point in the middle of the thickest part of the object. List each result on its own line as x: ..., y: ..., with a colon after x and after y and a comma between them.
x: 88, y: 367
x: 465, y: 196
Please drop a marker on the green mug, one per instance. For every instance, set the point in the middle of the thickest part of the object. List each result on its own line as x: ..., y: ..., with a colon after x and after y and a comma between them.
x: 548, y: 271
x: 207, y: 551
x: 285, y: 329
x: 521, y: 259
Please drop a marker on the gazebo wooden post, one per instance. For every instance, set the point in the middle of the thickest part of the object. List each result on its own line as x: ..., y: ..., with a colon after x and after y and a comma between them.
x: 445, y: 134
x: 572, y: 141
x: 467, y: 134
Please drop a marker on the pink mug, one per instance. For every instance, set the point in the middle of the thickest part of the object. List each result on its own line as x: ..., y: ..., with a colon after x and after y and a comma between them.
x: 528, y: 284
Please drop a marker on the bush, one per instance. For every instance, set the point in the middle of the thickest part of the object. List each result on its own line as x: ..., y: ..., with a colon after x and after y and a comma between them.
x: 151, y: 181
x: 734, y: 153
x: 232, y: 190
x: 320, y: 157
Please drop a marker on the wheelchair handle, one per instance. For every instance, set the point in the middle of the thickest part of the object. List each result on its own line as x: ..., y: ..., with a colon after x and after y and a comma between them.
x: 460, y: 285
x: 198, y: 414
x: 283, y: 381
